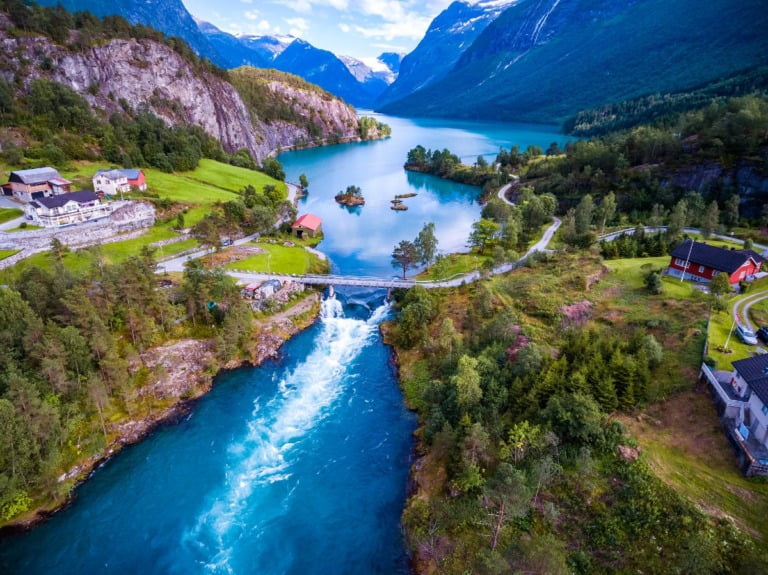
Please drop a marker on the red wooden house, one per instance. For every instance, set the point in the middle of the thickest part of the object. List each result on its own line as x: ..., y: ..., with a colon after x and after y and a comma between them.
x: 136, y: 179
x: 307, y: 225
x: 700, y: 262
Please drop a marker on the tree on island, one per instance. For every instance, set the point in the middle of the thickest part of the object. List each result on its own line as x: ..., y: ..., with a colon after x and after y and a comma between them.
x: 353, y: 196
x: 405, y: 256
x: 303, y: 181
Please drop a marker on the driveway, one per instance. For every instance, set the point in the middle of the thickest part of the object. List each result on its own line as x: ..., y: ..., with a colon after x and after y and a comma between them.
x: 741, y: 307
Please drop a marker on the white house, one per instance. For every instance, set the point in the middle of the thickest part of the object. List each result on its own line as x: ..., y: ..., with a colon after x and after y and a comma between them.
x: 110, y: 182
x: 67, y: 209
x: 741, y: 398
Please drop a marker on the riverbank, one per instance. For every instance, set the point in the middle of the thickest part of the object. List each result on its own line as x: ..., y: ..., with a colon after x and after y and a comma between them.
x: 186, y: 371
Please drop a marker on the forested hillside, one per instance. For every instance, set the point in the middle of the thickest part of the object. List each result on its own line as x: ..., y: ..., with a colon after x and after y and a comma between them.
x: 524, y: 382
x: 544, y: 60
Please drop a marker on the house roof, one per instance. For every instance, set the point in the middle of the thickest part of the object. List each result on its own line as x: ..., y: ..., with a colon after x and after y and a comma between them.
x: 308, y: 221
x: 131, y: 174
x: 111, y: 174
x: 34, y: 176
x: 60, y: 200
x: 754, y: 370
x: 713, y: 257
x: 59, y: 182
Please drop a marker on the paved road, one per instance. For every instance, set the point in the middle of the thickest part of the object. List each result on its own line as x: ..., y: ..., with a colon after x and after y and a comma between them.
x: 762, y: 249
x: 379, y: 282
x: 503, y: 191
x: 741, y: 307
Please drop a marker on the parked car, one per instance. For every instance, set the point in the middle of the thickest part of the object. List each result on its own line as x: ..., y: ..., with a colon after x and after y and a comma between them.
x: 762, y: 334
x: 746, y: 335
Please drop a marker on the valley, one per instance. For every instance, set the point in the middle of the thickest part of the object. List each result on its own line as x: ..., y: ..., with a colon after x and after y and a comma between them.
x: 535, y: 367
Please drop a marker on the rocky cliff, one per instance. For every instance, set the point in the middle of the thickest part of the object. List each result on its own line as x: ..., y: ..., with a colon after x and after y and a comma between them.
x: 747, y: 178
x: 144, y: 73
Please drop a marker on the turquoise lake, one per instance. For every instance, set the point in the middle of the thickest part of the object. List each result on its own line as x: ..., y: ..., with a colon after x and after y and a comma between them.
x: 299, y: 466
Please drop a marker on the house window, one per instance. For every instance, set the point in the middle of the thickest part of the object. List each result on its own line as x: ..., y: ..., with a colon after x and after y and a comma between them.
x: 701, y: 269
x: 681, y: 263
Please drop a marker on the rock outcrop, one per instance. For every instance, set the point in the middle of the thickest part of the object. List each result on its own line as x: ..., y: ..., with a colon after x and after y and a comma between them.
x: 145, y: 73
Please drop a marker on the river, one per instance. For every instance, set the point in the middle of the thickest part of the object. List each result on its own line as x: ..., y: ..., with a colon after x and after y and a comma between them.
x: 299, y: 466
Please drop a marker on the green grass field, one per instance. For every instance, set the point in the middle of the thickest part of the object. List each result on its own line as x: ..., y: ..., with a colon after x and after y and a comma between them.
x: 721, y: 326
x: 8, y: 214
x: 210, y: 182
x: 7, y: 253
x: 278, y: 259
x: 685, y: 445
x: 457, y: 264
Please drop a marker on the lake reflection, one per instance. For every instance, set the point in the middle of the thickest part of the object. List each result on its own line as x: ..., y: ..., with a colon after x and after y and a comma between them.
x: 360, y: 241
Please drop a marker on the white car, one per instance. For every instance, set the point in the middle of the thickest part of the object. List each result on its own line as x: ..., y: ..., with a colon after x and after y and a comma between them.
x: 746, y: 335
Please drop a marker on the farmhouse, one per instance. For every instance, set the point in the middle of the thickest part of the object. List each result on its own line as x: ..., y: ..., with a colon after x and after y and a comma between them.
x: 307, y: 225
x: 28, y: 185
x: 700, y: 262
x: 66, y: 209
x: 136, y: 179
x: 741, y: 398
x: 110, y: 182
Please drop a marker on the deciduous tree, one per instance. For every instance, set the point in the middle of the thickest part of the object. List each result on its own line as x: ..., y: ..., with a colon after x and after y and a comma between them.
x: 405, y: 256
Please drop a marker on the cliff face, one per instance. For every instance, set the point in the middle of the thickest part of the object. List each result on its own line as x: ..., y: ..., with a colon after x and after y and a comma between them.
x: 748, y: 179
x: 146, y: 73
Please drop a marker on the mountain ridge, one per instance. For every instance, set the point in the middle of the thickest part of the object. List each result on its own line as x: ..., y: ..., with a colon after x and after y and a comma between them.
x: 595, y: 51
x: 118, y: 74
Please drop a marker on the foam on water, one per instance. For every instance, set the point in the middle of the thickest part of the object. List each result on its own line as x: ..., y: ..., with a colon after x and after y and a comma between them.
x: 277, y: 426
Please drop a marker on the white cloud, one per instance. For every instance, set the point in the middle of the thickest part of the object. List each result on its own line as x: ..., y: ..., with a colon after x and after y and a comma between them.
x: 344, y: 27
x: 306, y: 6
x: 413, y: 28
x: 252, y: 15
x: 298, y: 26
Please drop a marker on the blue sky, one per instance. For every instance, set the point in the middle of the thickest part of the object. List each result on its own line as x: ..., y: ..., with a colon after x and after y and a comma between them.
x: 360, y: 28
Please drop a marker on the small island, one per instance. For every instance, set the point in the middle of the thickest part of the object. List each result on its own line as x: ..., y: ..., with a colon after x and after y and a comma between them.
x: 352, y: 197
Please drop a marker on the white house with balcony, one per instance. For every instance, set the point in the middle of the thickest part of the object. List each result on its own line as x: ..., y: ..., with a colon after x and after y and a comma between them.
x: 741, y: 398
x: 111, y: 182
x: 67, y: 209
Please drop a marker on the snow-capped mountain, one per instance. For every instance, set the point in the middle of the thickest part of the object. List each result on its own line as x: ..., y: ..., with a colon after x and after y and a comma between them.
x: 449, y: 35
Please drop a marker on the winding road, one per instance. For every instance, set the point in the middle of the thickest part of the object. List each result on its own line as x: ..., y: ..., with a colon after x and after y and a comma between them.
x: 741, y: 307
x: 177, y: 264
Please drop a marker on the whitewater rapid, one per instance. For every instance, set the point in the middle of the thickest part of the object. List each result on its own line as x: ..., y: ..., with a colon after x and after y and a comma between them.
x: 272, y: 440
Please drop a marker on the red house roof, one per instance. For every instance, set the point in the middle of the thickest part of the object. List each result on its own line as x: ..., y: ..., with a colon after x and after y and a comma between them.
x: 308, y: 221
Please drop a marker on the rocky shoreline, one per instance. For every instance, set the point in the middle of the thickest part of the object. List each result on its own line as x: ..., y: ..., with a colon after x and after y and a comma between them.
x: 187, y: 369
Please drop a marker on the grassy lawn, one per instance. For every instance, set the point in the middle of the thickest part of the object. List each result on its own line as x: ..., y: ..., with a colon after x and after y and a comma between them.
x: 7, y: 253
x: 457, y: 264
x: 758, y: 313
x: 721, y: 324
x: 278, y: 259
x: 684, y: 443
x: 210, y: 182
x: 8, y: 214
x: 80, y: 261
x: 26, y: 228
